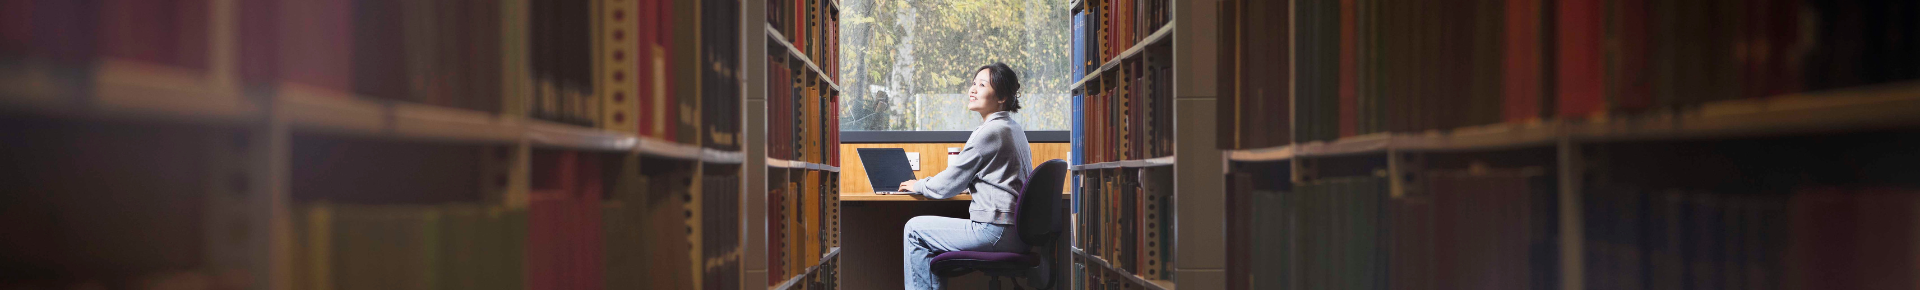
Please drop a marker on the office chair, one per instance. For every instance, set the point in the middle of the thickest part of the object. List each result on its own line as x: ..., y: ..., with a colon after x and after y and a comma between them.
x: 1036, y: 212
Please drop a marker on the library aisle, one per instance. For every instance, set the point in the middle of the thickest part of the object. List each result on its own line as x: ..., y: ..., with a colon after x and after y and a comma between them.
x: 1215, y: 144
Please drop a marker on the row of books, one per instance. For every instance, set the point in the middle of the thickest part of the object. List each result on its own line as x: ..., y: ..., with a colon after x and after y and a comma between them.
x: 804, y: 212
x: 1129, y: 115
x: 721, y: 76
x: 1813, y: 238
x: 1103, y: 29
x: 594, y: 221
x: 447, y: 246
x: 1481, y: 229
x: 565, y: 246
x: 654, y: 68
x: 813, y: 27
x: 804, y: 113
x: 720, y: 258
x: 649, y: 238
x: 666, y: 69
x: 1355, y: 67
x: 1126, y: 218
x: 1487, y: 229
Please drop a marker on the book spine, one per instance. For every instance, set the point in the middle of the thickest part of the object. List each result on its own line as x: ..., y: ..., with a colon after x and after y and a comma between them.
x: 1578, y: 81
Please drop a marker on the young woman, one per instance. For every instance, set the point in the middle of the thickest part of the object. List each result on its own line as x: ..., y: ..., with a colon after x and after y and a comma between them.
x: 994, y: 166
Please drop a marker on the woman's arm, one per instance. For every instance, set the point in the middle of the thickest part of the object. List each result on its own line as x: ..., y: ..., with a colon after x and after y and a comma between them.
x: 948, y: 183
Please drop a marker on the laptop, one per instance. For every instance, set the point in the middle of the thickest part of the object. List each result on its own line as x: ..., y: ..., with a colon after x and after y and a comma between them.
x: 886, y: 169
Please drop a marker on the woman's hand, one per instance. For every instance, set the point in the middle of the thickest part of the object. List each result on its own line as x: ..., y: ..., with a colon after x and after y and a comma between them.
x: 907, y: 185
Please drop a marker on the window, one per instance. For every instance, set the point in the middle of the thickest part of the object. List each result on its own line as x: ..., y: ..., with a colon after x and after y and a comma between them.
x: 906, y: 64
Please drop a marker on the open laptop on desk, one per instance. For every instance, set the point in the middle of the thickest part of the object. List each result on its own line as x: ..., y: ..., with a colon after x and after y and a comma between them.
x: 886, y: 169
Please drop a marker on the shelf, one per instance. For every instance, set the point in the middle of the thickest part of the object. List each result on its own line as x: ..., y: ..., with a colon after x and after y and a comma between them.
x: 1871, y: 107
x: 335, y: 112
x: 1143, y: 282
x: 1153, y: 162
x: 550, y: 134
x: 790, y: 164
x: 802, y: 56
x: 1165, y: 33
x: 722, y: 157
x: 829, y: 256
x: 125, y: 90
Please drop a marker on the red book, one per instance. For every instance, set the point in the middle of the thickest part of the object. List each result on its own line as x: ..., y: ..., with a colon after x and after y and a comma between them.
x: 164, y: 32
x: 1109, y: 14
x: 666, y: 107
x: 322, y: 36
x: 797, y: 35
x: 564, y: 241
x: 1522, y: 67
x: 1349, y: 69
x: 1123, y: 16
x: 259, y: 50
x: 776, y: 231
x: 653, y: 118
x: 1579, y: 68
x: 1632, y: 90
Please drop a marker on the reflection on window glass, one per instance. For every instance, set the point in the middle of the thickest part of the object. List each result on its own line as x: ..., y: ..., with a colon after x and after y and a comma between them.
x: 905, y: 64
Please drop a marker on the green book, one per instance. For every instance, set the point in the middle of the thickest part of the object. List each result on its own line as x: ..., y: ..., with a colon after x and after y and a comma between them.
x: 385, y: 247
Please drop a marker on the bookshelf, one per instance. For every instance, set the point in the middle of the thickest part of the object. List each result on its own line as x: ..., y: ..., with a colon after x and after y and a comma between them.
x: 1588, y: 160
x: 1135, y: 67
x: 793, y: 139
x: 297, y: 165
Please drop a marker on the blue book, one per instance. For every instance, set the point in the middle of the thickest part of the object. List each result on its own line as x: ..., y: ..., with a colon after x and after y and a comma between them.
x: 1077, y: 137
x: 1079, y: 46
x: 1079, y: 119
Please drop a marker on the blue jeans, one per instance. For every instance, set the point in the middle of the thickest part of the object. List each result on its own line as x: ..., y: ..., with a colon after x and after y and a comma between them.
x: 928, y: 236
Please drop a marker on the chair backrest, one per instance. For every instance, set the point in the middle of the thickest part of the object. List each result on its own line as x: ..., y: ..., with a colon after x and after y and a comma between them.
x: 1037, y: 209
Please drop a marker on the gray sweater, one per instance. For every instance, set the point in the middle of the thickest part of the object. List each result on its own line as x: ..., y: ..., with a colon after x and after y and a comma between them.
x: 994, y: 166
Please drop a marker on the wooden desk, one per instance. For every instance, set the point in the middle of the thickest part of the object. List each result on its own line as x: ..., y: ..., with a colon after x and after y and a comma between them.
x: 872, y: 232
x: 872, y: 236
x: 869, y: 196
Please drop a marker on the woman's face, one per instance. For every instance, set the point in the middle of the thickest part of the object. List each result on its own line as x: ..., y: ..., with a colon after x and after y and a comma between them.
x: 980, y: 97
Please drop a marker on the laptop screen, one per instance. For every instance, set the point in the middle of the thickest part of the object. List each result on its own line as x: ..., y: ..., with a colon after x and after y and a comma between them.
x: 886, y: 167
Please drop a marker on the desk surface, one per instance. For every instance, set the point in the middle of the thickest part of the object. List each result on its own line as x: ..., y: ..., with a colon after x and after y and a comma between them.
x: 869, y: 196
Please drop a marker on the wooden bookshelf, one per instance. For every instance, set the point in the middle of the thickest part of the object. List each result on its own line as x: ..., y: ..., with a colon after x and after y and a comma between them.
x: 1593, y: 169
x: 270, y: 151
x: 783, y: 234
x: 1116, y: 190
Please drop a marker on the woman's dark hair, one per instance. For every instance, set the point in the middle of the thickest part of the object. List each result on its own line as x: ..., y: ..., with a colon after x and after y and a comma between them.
x: 1006, y: 85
